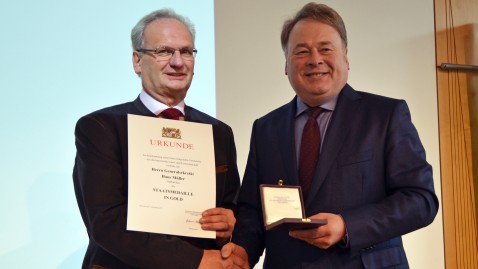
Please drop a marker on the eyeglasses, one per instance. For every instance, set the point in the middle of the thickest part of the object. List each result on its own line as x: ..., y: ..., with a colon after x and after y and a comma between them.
x: 165, y: 53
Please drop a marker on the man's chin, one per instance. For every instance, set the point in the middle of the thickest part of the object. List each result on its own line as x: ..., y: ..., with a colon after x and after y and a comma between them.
x: 178, y: 86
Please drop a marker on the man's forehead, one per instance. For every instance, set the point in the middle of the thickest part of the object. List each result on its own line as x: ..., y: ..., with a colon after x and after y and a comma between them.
x: 168, y: 32
x: 304, y: 33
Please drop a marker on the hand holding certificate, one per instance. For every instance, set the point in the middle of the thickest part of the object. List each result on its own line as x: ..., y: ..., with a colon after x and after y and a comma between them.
x: 171, y: 176
x: 282, y: 207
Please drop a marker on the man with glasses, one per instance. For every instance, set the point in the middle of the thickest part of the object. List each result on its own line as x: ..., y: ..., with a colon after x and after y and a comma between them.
x: 163, y: 57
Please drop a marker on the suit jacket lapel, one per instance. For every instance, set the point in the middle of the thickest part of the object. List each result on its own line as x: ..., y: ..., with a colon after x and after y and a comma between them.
x: 192, y: 115
x: 347, y: 105
x: 285, y: 130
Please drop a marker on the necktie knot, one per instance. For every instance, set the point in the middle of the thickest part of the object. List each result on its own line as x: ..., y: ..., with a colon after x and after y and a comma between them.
x: 314, y: 112
x: 171, y: 113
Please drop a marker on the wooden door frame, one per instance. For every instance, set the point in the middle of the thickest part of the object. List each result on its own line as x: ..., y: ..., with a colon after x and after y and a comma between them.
x: 455, y: 21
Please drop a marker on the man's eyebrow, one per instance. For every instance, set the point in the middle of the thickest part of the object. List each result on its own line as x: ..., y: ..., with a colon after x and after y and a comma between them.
x: 305, y: 45
x: 301, y: 45
x: 325, y: 43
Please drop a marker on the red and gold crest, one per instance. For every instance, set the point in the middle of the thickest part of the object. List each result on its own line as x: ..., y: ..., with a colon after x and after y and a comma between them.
x: 171, y: 133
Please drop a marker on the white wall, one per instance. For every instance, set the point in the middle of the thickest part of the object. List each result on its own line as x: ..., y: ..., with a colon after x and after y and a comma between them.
x: 60, y: 60
x: 391, y: 52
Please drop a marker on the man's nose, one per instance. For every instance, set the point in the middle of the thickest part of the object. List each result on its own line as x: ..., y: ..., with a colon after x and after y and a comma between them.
x: 176, y: 59
x: 315, y: 58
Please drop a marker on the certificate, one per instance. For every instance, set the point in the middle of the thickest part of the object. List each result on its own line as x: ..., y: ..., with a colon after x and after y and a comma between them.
x: 282, y: 208
x: 171, y: 176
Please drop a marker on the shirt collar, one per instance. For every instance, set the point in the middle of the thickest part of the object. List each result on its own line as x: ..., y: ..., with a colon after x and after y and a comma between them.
x: 155, y: 106
x: 329, y: 105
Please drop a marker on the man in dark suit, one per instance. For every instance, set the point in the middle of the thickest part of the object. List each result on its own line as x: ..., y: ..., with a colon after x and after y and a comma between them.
x: 371, y: 180
x: 163, y: 56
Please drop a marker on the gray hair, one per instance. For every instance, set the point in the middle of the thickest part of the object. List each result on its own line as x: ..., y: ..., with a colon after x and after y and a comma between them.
x: 137, y: 33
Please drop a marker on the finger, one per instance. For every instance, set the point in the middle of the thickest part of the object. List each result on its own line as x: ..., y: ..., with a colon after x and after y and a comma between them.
x: 215, y: 211
x: 217, y: 223
x: 226, y: 250
x: 214, y: 219
x: 227, y: 263
x: 223, y: 226
x: 224, y: 235
x: 322, y: 244
x: 238, y: 261
x: 240, y: 258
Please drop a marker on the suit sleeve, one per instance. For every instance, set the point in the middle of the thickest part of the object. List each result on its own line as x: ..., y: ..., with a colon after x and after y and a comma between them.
x: 409, y: 202
x: 232, y: 180
x: 101, y: 184
x: 249, y: 231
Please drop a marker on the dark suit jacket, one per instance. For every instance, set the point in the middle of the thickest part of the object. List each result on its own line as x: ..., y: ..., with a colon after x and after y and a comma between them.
x: 100, y: 181
x: 372, y: 170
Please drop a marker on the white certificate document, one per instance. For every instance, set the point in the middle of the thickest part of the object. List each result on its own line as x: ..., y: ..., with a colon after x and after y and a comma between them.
x: 171, y: 176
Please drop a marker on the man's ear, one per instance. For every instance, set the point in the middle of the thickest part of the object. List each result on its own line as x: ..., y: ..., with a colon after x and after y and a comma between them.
x: 347, y: 58
x: 285, y: 68
x: 136, y: 62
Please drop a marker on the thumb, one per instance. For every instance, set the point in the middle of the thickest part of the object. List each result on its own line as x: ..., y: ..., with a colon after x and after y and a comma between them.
x: 227, y: 250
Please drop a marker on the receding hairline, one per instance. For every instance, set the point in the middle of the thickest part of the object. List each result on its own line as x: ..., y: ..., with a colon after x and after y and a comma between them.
x: 324, y: 42
x: 315, y: 12
x: 137, y: 32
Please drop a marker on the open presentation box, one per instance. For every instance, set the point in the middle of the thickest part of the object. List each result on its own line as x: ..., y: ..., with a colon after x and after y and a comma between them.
x: 283, y: 208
